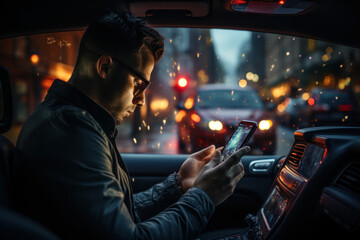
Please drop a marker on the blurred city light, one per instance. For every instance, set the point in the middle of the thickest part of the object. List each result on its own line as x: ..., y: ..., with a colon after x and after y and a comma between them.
x: 215, y: 125
x: 278, y: 91
x: 242, y: 83
x: 180, y: 115
x: 159, y: 104
x: 249, y: 76
x: 311, y: 101
x: 196, y: 118
x: 46, y: 83
x: 34, y: 58
x: 265, y: 124
x: 344, y: 82
x: 305, y: 96
x: 61, y: 71
x: 189, y: 103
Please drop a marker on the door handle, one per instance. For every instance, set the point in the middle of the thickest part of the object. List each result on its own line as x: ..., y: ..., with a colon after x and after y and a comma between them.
x: 261, y: 166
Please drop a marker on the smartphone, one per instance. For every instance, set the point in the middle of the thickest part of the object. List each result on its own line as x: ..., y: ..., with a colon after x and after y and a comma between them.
x: 243, y: 133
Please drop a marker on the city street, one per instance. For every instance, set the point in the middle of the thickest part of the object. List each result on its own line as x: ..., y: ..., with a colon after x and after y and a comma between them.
x: 163, y: 139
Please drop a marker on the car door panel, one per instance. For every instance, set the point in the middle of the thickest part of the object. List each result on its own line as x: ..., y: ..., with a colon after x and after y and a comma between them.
x: 149, y: 169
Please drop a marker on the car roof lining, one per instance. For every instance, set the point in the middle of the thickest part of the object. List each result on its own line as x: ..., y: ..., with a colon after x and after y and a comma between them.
x: 334, y: 21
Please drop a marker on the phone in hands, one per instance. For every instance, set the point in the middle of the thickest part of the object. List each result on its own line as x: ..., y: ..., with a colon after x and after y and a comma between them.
x: 243, y: 133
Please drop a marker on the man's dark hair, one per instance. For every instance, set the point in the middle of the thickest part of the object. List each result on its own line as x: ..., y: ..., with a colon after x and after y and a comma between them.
x: 121, y: 32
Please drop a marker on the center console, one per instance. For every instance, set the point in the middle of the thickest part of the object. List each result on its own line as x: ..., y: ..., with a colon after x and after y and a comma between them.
x: 303, y: 160
x: 291, y: 209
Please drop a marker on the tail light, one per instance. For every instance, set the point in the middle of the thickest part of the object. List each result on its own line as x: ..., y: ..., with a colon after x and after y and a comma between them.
x: 345, y: 108
x: 196, y: 118
x: 311, y: 101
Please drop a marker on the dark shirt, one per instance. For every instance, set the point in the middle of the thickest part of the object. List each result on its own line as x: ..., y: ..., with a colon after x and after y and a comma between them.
x: 71, y: 178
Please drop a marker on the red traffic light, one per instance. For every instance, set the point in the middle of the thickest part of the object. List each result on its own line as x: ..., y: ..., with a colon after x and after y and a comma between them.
x: 182, y: 82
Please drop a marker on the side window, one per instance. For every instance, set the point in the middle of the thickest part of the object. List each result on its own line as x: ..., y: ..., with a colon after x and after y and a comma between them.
x: 33, y: 62
x: 207, y: 82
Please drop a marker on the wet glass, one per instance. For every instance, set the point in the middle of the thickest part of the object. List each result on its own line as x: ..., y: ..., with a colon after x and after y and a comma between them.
x: 283, y: 82
x: 228, y: 99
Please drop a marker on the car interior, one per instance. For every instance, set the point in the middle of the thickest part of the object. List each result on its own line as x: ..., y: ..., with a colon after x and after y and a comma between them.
x: 311, y: 191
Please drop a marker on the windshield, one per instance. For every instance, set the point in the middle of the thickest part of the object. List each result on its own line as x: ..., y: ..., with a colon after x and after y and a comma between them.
x: 282, y: 82
x: 333, y: 97
x: 228, y: 99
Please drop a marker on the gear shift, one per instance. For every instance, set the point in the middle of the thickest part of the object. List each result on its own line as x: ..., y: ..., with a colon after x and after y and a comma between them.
x: 254, y: 231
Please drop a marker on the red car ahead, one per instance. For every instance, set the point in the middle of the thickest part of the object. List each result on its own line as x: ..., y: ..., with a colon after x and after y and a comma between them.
x: 211, y: 116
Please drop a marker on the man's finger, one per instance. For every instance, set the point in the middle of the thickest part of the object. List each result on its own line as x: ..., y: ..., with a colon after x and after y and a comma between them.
x: 235, y: 157
x: 236, y: 169
x: 238, y: 177
x: 216, y: 160
x: 220, y: 148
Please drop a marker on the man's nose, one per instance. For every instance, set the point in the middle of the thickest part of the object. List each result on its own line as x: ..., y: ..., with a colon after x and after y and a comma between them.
x: 139, y: 99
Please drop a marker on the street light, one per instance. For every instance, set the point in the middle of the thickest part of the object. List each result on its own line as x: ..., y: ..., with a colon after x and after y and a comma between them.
x: 34, y: 58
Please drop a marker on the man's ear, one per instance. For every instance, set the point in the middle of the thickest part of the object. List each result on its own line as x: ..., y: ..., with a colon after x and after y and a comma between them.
x: 103, y: 65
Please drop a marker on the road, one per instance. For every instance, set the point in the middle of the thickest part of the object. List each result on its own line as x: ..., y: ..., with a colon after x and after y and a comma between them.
x: 162, y: 138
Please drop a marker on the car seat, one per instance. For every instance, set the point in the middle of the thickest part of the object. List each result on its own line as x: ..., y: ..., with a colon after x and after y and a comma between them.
x: 12, y: 224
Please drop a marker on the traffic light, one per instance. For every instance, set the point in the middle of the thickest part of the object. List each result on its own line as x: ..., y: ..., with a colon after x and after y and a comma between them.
x: 182, y: 83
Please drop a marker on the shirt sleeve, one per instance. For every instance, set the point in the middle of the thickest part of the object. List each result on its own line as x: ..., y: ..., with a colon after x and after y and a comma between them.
x: 79, y: 195
x: 152, y: 201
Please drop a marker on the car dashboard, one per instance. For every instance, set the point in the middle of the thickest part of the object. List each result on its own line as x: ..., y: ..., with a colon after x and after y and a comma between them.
x: 314, y: 193
x: 318, y: 180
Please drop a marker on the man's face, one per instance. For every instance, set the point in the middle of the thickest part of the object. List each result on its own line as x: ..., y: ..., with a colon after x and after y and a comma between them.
x: 121, y: 84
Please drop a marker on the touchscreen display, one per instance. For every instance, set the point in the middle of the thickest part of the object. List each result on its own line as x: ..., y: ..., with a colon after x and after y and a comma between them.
x: 236, y: 140
x: 273, y: 208
x: 313, y: 155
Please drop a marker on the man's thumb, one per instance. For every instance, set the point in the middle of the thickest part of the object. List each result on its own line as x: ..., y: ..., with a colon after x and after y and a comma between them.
x: 216, y: 159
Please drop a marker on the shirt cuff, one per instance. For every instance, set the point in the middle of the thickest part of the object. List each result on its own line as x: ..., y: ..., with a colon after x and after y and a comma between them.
x: 174, y: 185
x: 201, y: 201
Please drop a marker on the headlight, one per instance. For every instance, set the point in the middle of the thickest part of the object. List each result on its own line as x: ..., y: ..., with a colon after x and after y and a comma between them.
x: 215, y: 125
x: 265, y: 124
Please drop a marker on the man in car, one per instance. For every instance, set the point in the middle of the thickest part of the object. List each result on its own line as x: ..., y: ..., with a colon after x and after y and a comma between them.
x: 70, y: 176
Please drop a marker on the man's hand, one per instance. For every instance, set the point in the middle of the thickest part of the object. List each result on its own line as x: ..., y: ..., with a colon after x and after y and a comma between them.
x: 218, y: 180
x: 191, y: 168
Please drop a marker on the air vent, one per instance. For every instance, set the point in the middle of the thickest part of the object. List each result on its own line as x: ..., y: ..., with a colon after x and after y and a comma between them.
x: 296, y: 154
x: 349, y: 179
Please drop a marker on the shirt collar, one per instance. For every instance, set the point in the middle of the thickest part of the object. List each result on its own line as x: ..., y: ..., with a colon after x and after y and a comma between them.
x: 72, y: 95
